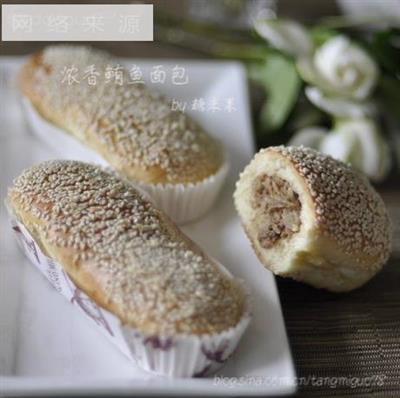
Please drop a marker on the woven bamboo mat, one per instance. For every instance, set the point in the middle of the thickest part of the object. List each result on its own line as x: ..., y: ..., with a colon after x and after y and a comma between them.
x: 348, y: 344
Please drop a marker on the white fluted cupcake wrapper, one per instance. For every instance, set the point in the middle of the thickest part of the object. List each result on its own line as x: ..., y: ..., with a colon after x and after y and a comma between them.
x: 174, y: 356
x: 187, y: 202
x: 182, y: 202
x: 185, y: 355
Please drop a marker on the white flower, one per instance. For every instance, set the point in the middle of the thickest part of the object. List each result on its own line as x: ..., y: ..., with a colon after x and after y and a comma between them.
x: 340, y: 67
x: 339, y: 145
x: 360, y: 143
x: 285, y: 35
x: 339, y: 106
x: 309, y: 136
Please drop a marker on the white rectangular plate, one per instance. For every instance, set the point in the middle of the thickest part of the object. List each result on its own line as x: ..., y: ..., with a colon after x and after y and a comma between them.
x: 47, y: 347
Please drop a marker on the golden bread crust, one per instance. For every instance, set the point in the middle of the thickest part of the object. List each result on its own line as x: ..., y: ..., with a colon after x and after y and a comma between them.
x: 133, y: 128
x: 122, y: 252
x: 344, y: 238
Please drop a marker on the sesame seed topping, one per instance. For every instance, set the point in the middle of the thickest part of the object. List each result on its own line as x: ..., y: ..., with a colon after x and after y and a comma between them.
x: 348, y: 208
x: 143, y: 268
x: 129, y: 125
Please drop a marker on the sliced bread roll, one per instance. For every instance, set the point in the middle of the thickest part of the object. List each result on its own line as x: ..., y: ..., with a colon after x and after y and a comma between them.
x: 313, y: 218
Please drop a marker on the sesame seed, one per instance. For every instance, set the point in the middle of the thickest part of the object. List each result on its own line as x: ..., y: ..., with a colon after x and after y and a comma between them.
x: 157, y: 282
x: 129, y: 124
x: 348, y: 208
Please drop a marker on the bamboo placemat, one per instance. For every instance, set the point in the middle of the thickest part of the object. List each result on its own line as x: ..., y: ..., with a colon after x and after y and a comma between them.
x: 348, y: 344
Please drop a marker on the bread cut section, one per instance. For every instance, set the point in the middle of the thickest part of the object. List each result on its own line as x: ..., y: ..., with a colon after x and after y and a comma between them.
x: 313, y: 218
x: 124, y: 253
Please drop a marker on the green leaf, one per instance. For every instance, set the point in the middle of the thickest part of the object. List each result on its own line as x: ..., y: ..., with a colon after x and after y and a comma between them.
x: 385, y: 49
x: 321, y: 34
x: 279, y: 77
x: 389, y: 93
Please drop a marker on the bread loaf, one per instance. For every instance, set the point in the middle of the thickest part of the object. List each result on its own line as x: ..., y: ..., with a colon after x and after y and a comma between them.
x: 133, y: 128
x: 313, y: 218
x: 123, y: 252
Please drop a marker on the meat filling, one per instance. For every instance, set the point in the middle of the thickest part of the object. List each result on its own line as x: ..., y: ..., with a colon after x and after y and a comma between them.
x: 277, y: 209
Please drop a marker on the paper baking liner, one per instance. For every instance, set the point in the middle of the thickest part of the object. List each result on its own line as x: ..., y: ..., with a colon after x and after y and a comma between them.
x: 175, y: 356
x: 187, y: 202
x: 182, y: 202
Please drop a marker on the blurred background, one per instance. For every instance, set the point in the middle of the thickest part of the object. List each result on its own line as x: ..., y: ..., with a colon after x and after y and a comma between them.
x: 324, y: 74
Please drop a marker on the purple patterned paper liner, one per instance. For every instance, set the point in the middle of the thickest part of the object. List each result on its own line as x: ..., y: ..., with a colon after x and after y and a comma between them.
x: 62, y: 283
x: 158, y: 343
x: 29, y: 242
x: 91, y: 309
x: 149, y: 351
x: 216, y: 354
